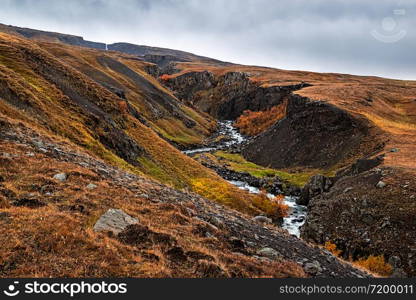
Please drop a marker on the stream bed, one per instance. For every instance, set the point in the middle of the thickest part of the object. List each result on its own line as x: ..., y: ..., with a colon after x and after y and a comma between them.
x: 297, y: 213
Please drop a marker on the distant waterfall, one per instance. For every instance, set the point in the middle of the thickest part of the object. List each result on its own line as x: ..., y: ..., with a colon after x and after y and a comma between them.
x: 106, y: 47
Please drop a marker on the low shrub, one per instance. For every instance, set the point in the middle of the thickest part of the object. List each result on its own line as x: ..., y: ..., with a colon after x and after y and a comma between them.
x: 372, y: 263
x: 331, y: 247
x: 376, y: 264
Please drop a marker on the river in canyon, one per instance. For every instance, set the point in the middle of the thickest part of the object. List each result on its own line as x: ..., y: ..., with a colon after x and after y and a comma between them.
x: 297, y: 213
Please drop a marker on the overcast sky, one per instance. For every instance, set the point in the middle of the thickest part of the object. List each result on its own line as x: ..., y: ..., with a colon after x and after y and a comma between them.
x: 369, y: 37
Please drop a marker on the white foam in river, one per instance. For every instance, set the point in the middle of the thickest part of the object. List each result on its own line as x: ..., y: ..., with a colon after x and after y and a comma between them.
x: 297, y: 213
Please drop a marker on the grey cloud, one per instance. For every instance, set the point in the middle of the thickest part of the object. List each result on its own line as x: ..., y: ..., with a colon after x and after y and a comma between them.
x: 316, y: 35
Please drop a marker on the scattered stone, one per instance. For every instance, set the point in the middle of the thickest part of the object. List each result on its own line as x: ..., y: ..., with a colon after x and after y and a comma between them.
x: 299, y: 219
x: 395, y: 261
x: 199, y: 256
x: 269, y: 253
x: 386, y: 223
x: 313, y: 268
x: 60, y: 176
x: 4, y: 216
x: 237, y: 244
x: 394, y: 150
x: 363, y: 165
x: 381, y: 184
x: 347, y: 190
x: 6, y: 155
x: 91, y: 186
x: 115, y: 221
x: 216, y: 222
x: 262, y: 220
x: 176, y: 254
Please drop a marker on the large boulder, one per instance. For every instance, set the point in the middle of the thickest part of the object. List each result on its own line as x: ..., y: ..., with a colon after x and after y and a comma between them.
x: 115, y: 221
x: 317, y: 185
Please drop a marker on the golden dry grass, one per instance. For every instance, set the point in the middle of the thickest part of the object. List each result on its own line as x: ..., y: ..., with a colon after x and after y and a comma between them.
x: 57, y: 240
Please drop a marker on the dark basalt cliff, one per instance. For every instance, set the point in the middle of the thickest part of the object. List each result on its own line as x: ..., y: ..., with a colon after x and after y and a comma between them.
x: 313, y: 134
x: 227, y: 96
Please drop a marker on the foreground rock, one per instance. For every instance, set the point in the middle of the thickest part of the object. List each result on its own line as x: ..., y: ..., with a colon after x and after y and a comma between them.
x: 60, y: 176
x: 115, y: 221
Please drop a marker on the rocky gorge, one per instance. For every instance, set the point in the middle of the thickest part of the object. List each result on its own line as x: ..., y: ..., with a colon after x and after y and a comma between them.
x: 316, y: 135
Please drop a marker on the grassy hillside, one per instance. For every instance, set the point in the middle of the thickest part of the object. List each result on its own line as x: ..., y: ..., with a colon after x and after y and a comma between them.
x: 41, y: 85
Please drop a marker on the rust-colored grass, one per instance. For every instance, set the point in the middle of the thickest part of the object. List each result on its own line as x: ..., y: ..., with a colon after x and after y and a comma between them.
x: 57, y: 240
x: 255, y: 122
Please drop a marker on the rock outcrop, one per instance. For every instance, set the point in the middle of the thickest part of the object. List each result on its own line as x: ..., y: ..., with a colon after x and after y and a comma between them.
x: 227, y: 96
x: 313, y: 134
x: 317, y: 185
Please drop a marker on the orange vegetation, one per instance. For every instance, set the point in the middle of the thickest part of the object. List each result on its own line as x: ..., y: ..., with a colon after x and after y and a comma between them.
x: 331, y: 247
x: 165, y: 77
x: 375, y: 264
x: 255, y: 122
x: 372, y: 263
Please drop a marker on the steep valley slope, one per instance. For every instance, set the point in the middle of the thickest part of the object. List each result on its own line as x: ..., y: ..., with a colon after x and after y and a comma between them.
x: 130, y: 131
